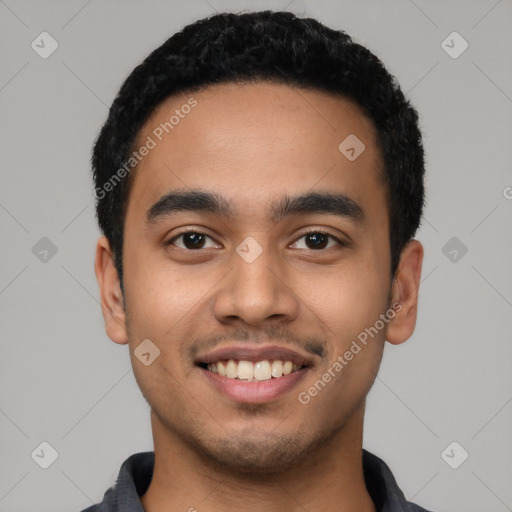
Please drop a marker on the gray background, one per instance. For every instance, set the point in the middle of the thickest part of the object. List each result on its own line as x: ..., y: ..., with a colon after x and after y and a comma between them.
x: 63, y: 381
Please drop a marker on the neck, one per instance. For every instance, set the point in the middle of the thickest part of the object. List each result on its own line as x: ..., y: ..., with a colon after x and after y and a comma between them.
x: 330, y: 478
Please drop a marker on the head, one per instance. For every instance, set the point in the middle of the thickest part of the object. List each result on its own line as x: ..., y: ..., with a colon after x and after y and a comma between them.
x: 238, y: 131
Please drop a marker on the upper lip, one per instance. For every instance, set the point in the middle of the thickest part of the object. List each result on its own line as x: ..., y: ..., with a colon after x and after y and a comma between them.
x: 254, y: 353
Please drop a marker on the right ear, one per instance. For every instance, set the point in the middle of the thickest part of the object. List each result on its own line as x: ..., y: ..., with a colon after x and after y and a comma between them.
x: 112, y: 301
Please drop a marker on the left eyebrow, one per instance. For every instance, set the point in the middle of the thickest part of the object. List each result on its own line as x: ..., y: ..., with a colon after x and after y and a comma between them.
x: 315, y: 202
x: 309, y: 203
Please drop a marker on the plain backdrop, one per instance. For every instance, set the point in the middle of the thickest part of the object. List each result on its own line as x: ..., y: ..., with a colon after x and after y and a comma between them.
x: 62, y: 381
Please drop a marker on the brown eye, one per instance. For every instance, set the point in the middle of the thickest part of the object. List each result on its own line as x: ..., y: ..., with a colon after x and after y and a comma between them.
x: 318, y: 240
x: 191, y: 240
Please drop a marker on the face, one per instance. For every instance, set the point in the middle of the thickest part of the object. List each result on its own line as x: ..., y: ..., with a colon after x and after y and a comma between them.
x: 250, y: 236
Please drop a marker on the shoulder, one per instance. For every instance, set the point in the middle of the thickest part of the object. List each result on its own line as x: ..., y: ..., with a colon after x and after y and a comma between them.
x: 132, y: 482
x: 383, y: 488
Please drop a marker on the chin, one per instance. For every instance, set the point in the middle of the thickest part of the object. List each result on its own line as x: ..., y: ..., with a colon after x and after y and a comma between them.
x: 251, y: 456
x: 258, y: 455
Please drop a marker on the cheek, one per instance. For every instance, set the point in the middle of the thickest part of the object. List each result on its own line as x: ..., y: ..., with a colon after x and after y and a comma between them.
x: 352, y: 297
x: 158, y: 293
x: 350, y: 307
x: 168, y: 306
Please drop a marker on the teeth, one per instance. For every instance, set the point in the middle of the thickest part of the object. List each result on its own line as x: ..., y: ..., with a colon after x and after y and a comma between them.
x: 277, y: 368
x: 262, y: 371
x: 249, y: 371
x: 287, y: 367
x: 231, y: 369
x: 245, y: 370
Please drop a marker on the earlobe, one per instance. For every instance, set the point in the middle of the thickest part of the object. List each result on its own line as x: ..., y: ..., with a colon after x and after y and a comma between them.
x: 112, y: 301
x: 405, y: 289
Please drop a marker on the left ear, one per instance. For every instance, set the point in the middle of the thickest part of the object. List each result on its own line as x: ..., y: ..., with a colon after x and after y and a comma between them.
x: 405, y: 290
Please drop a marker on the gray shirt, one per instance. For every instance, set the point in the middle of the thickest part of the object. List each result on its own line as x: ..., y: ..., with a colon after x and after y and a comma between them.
x: 136, y: 472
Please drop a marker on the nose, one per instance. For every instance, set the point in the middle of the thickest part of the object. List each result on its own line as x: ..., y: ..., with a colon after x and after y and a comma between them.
x: 255, y: 291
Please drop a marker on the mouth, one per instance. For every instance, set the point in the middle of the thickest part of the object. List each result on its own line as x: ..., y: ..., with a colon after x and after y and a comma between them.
x: 254, y: 375
x: 251, y: 372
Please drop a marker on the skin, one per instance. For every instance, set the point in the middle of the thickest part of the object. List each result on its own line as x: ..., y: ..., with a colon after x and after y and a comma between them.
x: 252, y: 144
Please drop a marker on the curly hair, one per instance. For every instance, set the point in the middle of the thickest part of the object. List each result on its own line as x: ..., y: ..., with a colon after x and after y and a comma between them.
x: 265, y: 46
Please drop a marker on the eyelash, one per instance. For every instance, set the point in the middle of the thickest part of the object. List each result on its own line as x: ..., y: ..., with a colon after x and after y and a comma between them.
x: 316, y: 232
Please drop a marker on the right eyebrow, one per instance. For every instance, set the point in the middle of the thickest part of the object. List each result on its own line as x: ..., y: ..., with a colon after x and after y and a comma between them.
x: 194, y: 200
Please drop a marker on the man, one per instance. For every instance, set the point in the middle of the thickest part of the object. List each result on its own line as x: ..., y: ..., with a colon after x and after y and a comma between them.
x: 259, y: 183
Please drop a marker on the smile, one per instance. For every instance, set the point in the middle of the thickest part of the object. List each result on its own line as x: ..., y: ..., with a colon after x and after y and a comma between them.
x: 250, y: 373
x: 253, y: 371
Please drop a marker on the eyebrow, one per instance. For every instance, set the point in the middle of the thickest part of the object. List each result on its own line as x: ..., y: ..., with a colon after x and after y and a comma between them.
x: 309, y: 203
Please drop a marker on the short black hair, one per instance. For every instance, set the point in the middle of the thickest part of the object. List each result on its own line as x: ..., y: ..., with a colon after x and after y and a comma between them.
x: 254, y: 47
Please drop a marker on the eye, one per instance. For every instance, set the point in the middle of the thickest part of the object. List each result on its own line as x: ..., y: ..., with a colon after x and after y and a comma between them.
x: 195, y: 240
x: 192, y: 240
x: 318, y: 240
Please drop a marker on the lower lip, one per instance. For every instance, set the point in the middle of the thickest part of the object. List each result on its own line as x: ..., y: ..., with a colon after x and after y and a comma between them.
x: 254, y: 392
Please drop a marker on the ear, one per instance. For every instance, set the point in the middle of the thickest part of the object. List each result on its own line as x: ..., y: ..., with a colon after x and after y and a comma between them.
x: 112, y: 302
x: 404, y: 293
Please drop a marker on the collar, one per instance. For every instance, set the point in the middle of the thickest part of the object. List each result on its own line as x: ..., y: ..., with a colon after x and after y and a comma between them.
x: 136, y: 473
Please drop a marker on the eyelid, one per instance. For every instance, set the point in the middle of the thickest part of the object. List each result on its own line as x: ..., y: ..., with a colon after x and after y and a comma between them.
x: 187, y: 231
x: 323, y: 232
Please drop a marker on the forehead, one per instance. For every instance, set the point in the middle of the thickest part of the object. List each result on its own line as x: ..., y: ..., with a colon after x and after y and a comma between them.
x: 252, y: 141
